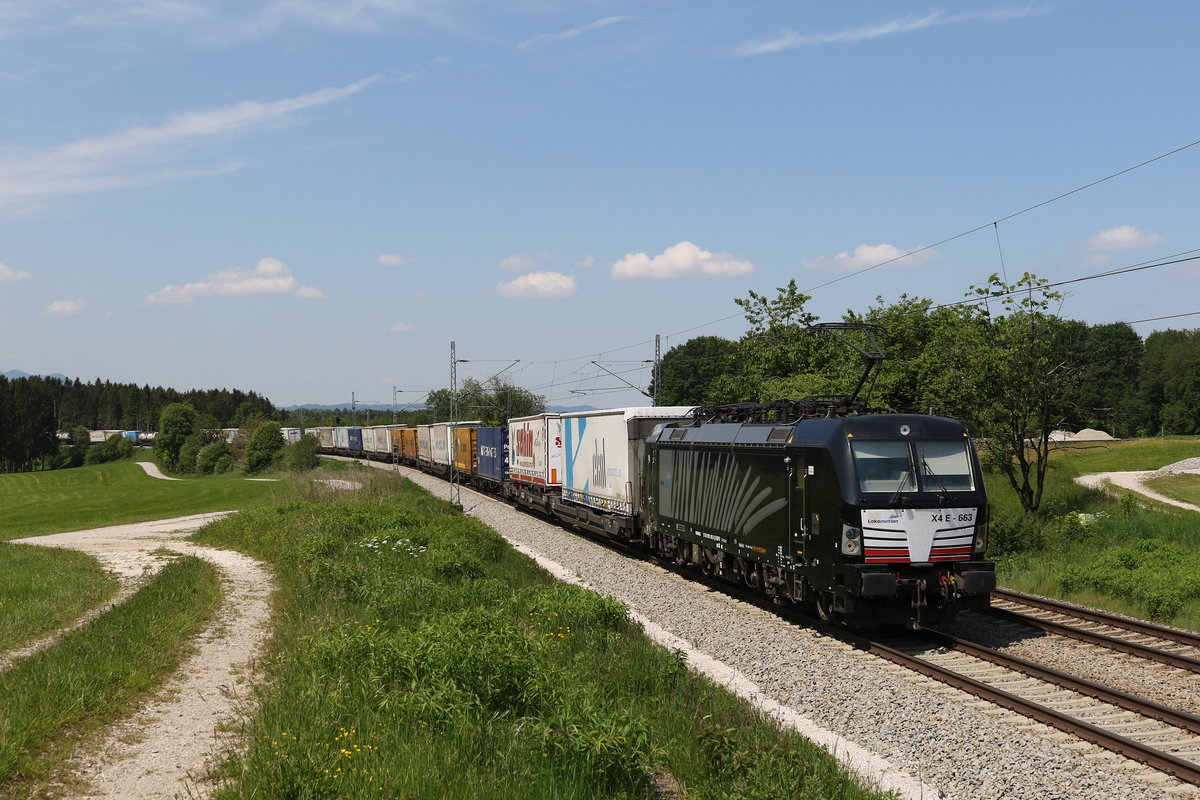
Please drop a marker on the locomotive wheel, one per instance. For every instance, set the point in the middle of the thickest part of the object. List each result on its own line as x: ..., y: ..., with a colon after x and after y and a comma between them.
x: 824, y: 601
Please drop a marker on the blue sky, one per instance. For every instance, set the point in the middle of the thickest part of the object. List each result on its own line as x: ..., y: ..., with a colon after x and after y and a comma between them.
x: 310, y: 198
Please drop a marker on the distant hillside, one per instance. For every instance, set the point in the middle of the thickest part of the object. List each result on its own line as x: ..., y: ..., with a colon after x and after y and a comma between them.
x: 12, y: 374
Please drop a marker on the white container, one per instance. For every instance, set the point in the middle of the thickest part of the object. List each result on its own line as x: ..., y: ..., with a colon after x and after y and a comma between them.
x: 341, y: 438
x: 603, y: 454
x: 535, y: 450
x: 424, y: 444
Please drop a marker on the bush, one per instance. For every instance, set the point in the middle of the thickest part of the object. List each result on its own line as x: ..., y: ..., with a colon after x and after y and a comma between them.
x: 1161, y: 576
x: 301, y: 455
x: 210, y: 455
x: 224, y: 464
x: 114, y: 448
x: 266, y: 441
x: 1014, y: 534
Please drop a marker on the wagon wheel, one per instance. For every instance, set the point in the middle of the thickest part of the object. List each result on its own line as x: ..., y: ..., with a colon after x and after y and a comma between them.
x: 824, y: 601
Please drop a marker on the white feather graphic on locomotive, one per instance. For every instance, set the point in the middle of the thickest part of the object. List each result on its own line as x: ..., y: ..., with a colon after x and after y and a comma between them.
x: 706, y: 497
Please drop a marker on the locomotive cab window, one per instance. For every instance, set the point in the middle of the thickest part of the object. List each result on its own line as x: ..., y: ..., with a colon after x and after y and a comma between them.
x: 920, y: 466
x: 883, y: 465
x: 945, y: 466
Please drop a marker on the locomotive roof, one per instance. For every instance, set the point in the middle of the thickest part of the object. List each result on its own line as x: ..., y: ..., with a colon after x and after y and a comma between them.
x: 812, y: 432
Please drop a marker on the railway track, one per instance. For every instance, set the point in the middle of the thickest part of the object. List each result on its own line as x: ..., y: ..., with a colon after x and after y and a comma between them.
x: 1156, y: 735
x: 1179, y: 649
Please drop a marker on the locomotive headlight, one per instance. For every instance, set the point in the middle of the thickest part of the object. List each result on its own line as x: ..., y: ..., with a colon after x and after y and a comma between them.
x: 980, y: 538
x: 851, y: 540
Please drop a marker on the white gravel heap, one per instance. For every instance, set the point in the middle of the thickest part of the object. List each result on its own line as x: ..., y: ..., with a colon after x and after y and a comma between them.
x: 1187, y: 465
x: 942, y: 737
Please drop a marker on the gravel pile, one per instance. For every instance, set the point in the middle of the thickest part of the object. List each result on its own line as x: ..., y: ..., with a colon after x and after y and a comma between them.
x: 965, y: 747
x: 1187, y: 465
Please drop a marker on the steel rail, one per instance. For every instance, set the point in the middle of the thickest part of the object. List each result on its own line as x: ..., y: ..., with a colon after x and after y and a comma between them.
x: 1183, y: 769
x: 1102, y: 640
x: 1137, y: 626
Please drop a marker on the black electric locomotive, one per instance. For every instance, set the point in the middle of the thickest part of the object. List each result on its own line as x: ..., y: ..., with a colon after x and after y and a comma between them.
x: 873, y: 518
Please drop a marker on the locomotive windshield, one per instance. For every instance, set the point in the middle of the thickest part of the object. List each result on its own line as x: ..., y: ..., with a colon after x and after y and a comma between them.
x: 907, y: 466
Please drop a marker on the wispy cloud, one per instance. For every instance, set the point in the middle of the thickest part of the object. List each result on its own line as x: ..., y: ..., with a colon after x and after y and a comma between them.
x: 518, y: 262
x: 125, y: 158
x: 680, y: 261
x: 1122, y: 237
x: 789, y: 39
x: 868, y: 255
x: 394, y: 260
x: 269, y: 277
x: 539, y: 286
x: 66, y: 308
x: 543, y: 38
x: 401, y: 327
x: 10, y: 275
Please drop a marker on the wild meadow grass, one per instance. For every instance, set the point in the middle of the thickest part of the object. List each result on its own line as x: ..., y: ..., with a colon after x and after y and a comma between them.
x: 44, y: 588
x: 418, y: 655
x: 113, y: 494
x: 1118, y: 552
x: 93, y: 674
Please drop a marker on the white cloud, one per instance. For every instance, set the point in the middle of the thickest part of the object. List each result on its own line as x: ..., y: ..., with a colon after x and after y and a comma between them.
x: 394, y: 260
x: 539, y: 286
x: 1122, y: 237
x: 123, y: 159
x: 789, y: 39
x: 587, y: 263
x: 401, y: 327
x: 868, y: 255
x: 10, y: 275
x: 542, y: 38
x: 518, y: 262
x: 67, y: 308
x: 679, y: 261
x: 268, y: 277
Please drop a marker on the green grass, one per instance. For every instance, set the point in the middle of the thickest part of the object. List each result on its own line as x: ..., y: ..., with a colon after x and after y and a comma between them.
x: 1122, y: 553
x: 45, y: 588
x: 1183, y: 487
x: 418, y: 655
x: 120, y: 492
x: 93, y: 675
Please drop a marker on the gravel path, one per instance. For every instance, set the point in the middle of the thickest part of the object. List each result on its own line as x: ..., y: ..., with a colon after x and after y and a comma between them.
x: 160, y: 750
x: 1135, y: 481
x: 153, y: 471
x: 934, y: 735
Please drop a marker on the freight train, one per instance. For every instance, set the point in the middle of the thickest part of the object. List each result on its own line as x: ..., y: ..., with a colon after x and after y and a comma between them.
x: 868, y: 518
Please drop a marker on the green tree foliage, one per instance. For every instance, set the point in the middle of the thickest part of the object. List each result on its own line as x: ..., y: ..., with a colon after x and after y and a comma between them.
x: 301, y: 455
x: 1170, y: 380
x: 690, y: 372
x: 176, y: 423
x: 27, y: 424
x: 493, y: 403
x: 265, y: 442
x: 210, y: 455
x: 113, y: 448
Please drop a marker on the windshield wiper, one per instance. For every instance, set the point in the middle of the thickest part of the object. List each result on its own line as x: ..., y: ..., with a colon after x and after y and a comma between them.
x: 928, y: 470
x: 904, y: 476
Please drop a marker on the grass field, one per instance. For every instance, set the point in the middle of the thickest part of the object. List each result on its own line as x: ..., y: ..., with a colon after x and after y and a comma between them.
x: 43, y: 589
x: 1119, y: 552
x: 418, y: 655
x: 1185, y: 488
x: 91, y: 676
x: 112, y: 494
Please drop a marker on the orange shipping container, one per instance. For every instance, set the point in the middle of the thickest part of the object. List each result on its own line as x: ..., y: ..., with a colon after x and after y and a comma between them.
x: 465, y: 455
